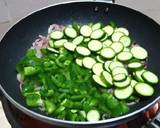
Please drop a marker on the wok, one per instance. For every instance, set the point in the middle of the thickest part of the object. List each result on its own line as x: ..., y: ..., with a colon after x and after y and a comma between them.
x: 19, y: 38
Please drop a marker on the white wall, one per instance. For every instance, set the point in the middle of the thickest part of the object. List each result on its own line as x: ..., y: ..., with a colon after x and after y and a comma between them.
x: 14, y: 10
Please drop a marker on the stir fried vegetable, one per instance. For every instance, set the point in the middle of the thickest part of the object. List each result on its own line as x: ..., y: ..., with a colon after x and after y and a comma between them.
x: 87, y: 72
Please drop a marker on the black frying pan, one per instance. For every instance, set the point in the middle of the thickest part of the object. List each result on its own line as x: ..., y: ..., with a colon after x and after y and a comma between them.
x: 20, y: 37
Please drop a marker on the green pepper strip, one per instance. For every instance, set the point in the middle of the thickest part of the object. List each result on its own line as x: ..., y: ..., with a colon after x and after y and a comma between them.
x: 49, y: 106
x: 33, y: 99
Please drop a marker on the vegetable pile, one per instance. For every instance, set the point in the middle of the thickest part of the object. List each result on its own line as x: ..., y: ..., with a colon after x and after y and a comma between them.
x: 86, y: 73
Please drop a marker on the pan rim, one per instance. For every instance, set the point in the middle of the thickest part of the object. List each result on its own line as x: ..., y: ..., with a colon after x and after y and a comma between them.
x: 51, y: 119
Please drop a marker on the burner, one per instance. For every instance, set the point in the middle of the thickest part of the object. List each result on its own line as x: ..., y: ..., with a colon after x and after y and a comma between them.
x: 18, y: 119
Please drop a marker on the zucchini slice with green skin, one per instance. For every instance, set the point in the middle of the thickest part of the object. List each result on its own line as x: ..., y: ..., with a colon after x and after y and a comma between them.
x: 138, y: 75
x: 97, y: 68
x: 118, y: 70
x: 105, y: 37
x: 96, y: 26
x: 135, y: 65
x: 98, y: 80
x: 124, y: 56
x: 59, y: 43
x: 116, y: 36
x: 75, y: 26
x: 119, y: 77
x: 106, y: 76
x: 70, y: 32
x: 51, y: 43
x: 123, y: 93
x: 139, y: 52
x: 107, y: 43
x: 100, y: 59
x: 52, y: 50
x: 122, y: 84
x: 70, y: 46
x: 56, y: 35
x: 78, y: 40
x: 86, y: 30
x: 97, y: 34
x: 150, y: 77
x: 94, y: 45
x: 88, y: 62
x: 123, y: 30
x: 118, y: 47
x: 114, y: 64
x: 106, y: 65
x: 108, y: 53
x: 83, y: 51
x: 144, y: 89
x: 126, y: 49
x: 108, y: 29
x: 125, y: 40
x: 86, y: 39
x: 79, y: 61
x: 93, y: 115
x: 133, y: 83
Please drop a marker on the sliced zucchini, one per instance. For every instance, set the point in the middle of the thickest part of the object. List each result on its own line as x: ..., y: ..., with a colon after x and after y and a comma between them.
x: 135, y: 65
x: 106, y: 65
x: 96, y: 26
x: 119, y: 77
x: 52, y: 50
x: 83, y: 51
x: 144, y: 89
x: 87, y: 40
x: 79, y: 61
x: 122, y: 84
x: 133, y: 83
x: 78, y: 40
x: 106, y: 76
x: 109, y: 30
x: 114, y: 64
x: 139, y: 52
x: 116, y: 36
x: 104, y: 37
x: 124, y: 56
x: 123, y: 93
x: 125, y: 40
x: 59, y: 43
x: 123, y: 30
x: 100, y: 59
x: 138, y: 75
x: 107, y: 43
x: 118, y: 70
x: 56, y: 35
x: 75, y: 26
x: 70, y: 32
x: 108, y: 53
x: 97, y: 34
x: 70, y: 46
x: 94, y: 45
x: 118, y: 47
x: 88, y: 62
x: 150, y: 77
x: 126, y: 49
x: 97, y: 68
x: 98, y: 80
x: 86, y: 30
x: 51, y: 43
x: 93, y: 115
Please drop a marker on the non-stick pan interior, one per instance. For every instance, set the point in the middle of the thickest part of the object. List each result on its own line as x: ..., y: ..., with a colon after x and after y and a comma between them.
x: 19, y: 38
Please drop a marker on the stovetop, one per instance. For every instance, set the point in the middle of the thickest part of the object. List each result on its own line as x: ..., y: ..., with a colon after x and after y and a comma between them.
x: 18, y: 119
